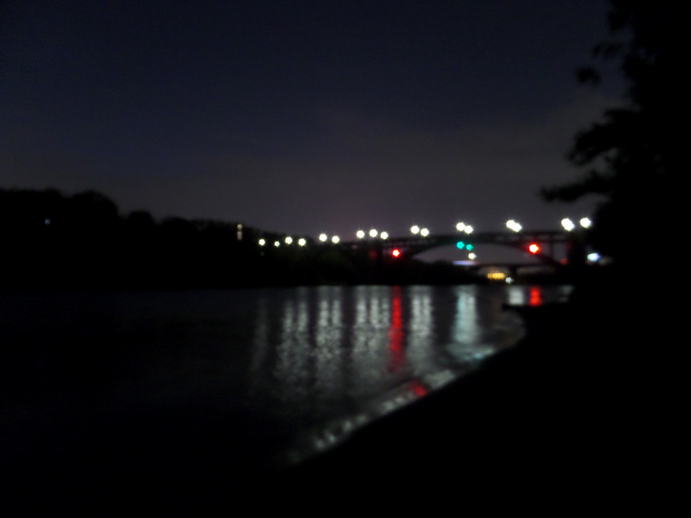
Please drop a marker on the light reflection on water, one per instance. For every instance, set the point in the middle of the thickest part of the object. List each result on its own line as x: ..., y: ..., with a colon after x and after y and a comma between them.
x: 319, y: 353
x: 371, y: 349
x: 328, y: 358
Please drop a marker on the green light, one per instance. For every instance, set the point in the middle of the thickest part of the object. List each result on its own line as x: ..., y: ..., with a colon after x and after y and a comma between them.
x: 469, y: 247
x: 460, y: 245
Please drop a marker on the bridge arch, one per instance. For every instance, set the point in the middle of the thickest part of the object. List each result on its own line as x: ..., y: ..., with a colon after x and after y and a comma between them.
x: 414, y: 245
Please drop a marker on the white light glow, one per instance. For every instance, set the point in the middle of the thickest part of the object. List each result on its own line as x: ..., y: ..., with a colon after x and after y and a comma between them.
x: 288, y: 240
x: 414, y: 229
x: 373, y: 232
x: 593, y: 257
x: 460, y: 226
x: 468, y: 229
x: 424, y: 232
x: 360, y: 234
x: 335, y: 240
x: 323, y: 237
x: 514, y: 225
x: 586, y: 222
x: 302, y: 241
x: 262, y: 242
x: 567, y: 224
x: 384, y: 235
x: 277, y: 244
x: 472, y: 256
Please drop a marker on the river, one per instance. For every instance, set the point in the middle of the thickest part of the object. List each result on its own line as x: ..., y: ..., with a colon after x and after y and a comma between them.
x: 263, y: 373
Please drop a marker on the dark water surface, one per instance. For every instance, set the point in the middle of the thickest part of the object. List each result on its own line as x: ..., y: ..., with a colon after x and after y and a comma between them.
x: 152, y: 379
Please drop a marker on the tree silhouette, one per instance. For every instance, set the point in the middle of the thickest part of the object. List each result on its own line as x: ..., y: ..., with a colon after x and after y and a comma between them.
x: 634, y: 153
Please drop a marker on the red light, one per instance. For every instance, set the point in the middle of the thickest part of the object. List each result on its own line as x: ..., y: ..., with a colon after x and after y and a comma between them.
x: 534, y: 248
x: 396, y: 252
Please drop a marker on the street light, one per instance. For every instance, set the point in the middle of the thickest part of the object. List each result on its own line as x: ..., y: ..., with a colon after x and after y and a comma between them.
x: 373, y: 232
x: 262, y: 242
x: 460, y: 226
x: 468, y: 229
x: 567, y: 224
x: 586, y: 222
x: 414, y: 229
x: 360, y: 234
x: 288, y: 240
x: 514, y: 225
x: 323, y: 237
x: 335, y: 240
x: 384, y: 235
x: 424, y: 232
x: 302, y: 241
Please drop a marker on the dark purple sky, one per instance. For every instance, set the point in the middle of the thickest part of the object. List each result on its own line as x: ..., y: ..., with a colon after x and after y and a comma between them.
x: 301, y: 116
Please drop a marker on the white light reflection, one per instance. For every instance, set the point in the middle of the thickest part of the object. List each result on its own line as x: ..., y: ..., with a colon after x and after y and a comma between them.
x: 369, y: 336
x: 421, y: 357
x: 465, y: 326
x: 328, y: 350
x: 515, y: 295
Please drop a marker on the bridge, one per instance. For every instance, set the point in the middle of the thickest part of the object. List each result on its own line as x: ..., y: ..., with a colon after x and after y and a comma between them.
x: 379, y: 245
x: 410, y: 246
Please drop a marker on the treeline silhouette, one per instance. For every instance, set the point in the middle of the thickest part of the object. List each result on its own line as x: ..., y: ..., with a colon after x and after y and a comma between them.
x: 52, y: 240
x: 635, y: 155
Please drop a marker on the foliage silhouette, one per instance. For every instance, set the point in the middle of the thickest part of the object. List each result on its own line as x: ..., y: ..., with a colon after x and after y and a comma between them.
x: 634, y: 153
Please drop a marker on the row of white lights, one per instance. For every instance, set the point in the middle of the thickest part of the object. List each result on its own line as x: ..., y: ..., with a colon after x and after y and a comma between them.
x: 569, y: 225
x: 566, y: 223
x: 324, y: 238
x: 424, y: 231
x: 287, y: 240
x: 511, y: 224
x: 373, y: 233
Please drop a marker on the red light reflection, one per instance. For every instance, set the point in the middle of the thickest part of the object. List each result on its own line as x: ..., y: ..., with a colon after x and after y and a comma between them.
x: 535, y: 296
x: 418, y: 388
x: 396, y: 333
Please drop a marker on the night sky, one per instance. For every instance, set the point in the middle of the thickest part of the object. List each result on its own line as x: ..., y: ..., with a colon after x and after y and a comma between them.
x: 301, y: 116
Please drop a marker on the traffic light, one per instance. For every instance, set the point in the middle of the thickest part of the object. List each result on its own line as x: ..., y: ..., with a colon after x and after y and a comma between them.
x: 534, y: 248
x: 461, y: 245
